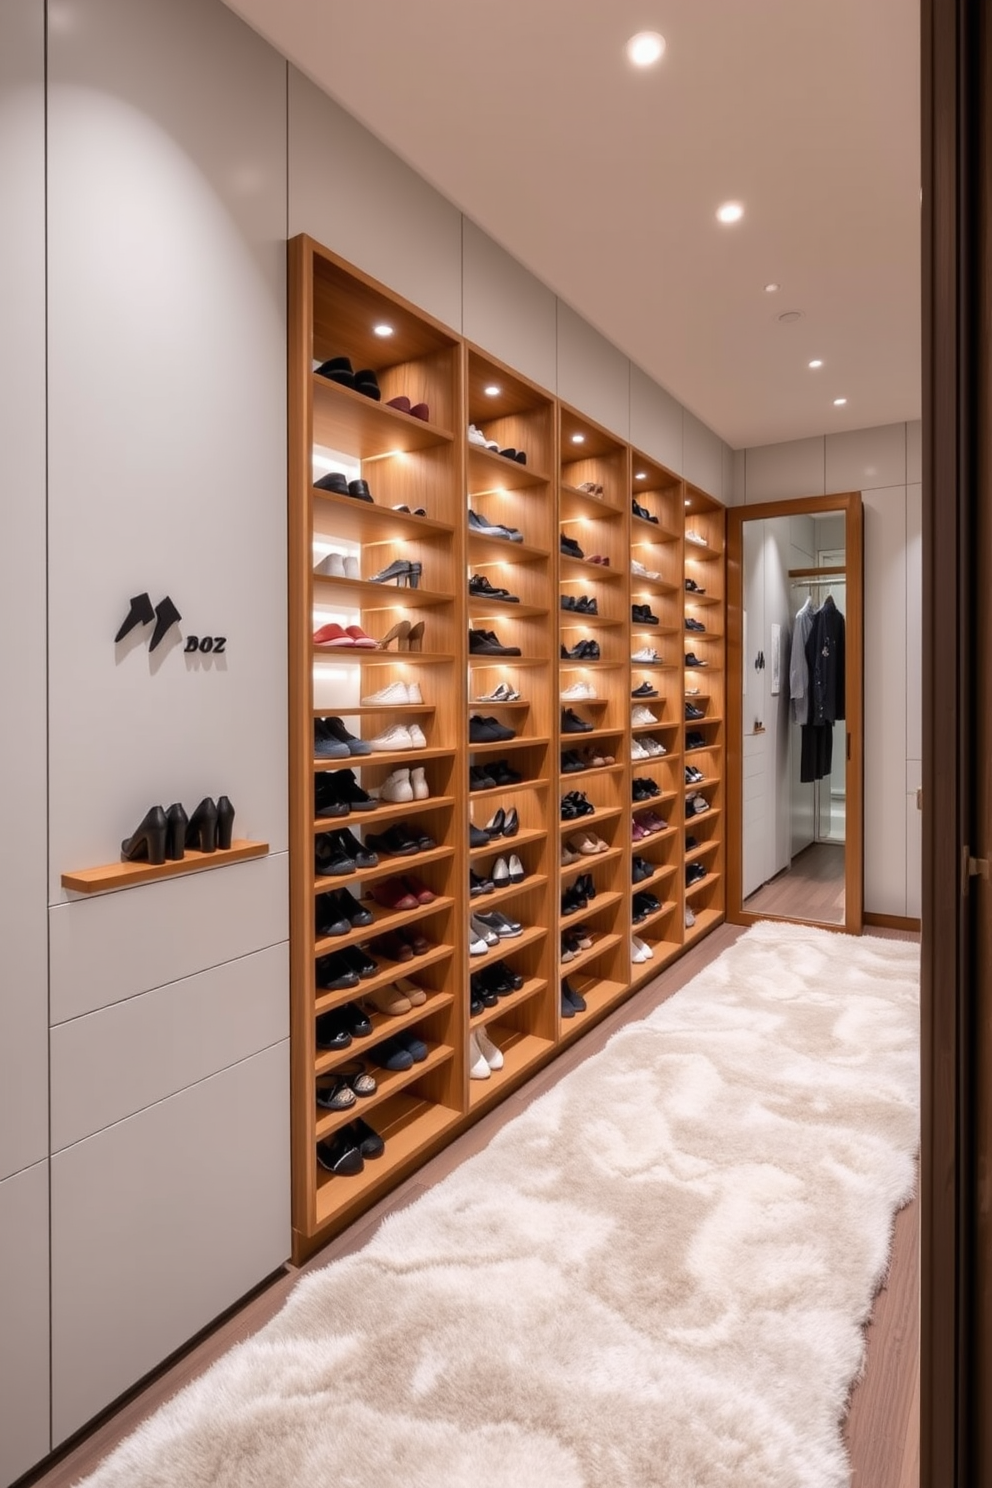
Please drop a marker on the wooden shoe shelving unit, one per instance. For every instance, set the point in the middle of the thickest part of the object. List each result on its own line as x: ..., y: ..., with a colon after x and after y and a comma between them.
x: 431, y: 464
x: 705, y: 565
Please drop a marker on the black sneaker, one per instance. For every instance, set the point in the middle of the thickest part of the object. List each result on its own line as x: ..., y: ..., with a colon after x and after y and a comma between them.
x: 692, y: 713
x: 488, y: 730
x: 692, y: 660
x: 571, y: 723
x: 645, y: 691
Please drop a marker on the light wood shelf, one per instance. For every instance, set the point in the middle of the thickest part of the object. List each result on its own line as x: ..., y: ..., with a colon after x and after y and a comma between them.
x: 125, y: 875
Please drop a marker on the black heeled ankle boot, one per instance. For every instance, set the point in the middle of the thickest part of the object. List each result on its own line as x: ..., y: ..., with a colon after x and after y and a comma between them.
x: 140, y: 613
x: 201, y: 833
x: 175, y: 841
x: 225, y: 823
x: 148, y: 839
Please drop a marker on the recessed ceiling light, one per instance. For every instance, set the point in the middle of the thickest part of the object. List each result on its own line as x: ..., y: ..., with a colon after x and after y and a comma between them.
x: 730, y: 212
x: 789, y: 317
x: 383, y: 329
x: 816, y: 363
x: 492, y: 391
x: 688, y: 501
x: 646, y: 48
x: 578, y: 439
x: 839, y: 402
x: 772, y: 288
x: 641, y: 475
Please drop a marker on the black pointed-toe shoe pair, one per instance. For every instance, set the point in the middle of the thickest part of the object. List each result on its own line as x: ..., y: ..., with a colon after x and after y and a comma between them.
x: 142, y: 612
x: 165, y: 835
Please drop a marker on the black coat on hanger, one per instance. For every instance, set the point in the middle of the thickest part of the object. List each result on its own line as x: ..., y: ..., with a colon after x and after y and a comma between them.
x: 825, y: 657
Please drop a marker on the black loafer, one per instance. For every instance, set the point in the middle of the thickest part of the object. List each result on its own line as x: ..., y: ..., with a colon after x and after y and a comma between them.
x: 364, y: 966
x: 334, y: 975
x: 363, y: 857
x: 360, y: 490
x: 335, y: 481
x: 367, y: 383
x: 356, y: 914
x: 328, y: 919
x: 370, y: 1144
x: 354, y: 1020
x: 338, y: 369
x: 476, y: 836
x: 329, y: 860
x: 340, y: 1155
x: 331, y: 1032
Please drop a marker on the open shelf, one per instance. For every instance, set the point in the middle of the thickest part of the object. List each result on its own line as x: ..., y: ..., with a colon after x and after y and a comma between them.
x: 366, y: 523
x: 346, y: 420
x: 125, y: 875
x: 521, y: 1052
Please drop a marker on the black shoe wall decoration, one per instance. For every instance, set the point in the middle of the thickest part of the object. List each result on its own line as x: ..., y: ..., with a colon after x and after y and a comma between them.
x: 142, y: 612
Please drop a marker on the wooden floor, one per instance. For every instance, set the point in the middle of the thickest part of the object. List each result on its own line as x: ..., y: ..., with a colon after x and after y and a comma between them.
x: 811, y: 888
x: 883, y: 1421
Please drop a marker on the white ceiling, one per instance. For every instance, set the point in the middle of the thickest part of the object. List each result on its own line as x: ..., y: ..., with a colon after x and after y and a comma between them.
x: 604, y: 181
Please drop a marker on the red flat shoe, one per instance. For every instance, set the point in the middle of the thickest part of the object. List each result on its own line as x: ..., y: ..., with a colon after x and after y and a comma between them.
x: 332, y: 635
x: 421, y: 411
x: 423, y: 893
x: 359, y: 638
x: 402, y: 404
x: 392, y: 893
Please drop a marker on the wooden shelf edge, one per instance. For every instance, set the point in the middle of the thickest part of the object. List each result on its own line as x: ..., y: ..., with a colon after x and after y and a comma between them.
x: 125, y: 875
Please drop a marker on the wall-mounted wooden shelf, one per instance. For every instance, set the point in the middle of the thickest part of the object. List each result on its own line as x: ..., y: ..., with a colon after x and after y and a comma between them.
x: 126, y: 875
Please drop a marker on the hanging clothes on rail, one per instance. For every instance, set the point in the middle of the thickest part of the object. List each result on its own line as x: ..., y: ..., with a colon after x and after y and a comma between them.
x: 825, y: 658
x: 798, y: 665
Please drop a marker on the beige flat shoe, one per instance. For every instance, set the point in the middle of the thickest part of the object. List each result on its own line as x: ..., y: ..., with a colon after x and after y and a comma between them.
x: 389, y: 1000
x: 583, y: 843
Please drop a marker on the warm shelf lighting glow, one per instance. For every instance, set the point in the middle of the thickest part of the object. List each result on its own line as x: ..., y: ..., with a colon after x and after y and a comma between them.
x: 646, y: 48
x: 492, y: 391
x: 730, y: 212
x: 641, y: 475
x: 383, y: 329
x: 815, y: 363
x: 839, y: 402
x: 578, y: 439
x: 772, y: 288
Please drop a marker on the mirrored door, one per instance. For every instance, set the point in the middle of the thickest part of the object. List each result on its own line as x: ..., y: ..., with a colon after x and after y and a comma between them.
x: 794, y: 712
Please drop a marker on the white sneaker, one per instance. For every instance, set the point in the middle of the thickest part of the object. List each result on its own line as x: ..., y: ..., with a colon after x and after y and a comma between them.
x: 413, y: 693
x: 418, y: 736
x: 654, y: 749
x: 578, y: 692
x: 646, y: 653
x: 397, y: 737
x: 639, y: 571
x: 418, y: 781
x: 478, y: 1064
x: 476, y: 945
x: 640, y: 950
x: 692, y: 692
x: 694, y: 537
x: 490, y: 1052
x: 351, y: 569
x: 331, y: 566
x: 641, y: 715
x: 476, y: 436
x: 396, y: 693
x: 637, y: 750
x: 397, y: 787
x: 690, y: 918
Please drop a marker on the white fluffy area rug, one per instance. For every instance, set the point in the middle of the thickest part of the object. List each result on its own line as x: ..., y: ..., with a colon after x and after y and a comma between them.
x: 659, y: 1274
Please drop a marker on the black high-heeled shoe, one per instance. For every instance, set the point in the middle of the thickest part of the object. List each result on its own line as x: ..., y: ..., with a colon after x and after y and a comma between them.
x: 403, y: 572
x: 148, y: 839
x: 201, y: 833
x: 141, y: 613
x: 512, y: 824
x: 225, y: 823
x: 175, y: 840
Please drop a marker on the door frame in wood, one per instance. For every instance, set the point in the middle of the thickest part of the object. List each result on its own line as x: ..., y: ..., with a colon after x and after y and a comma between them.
x: 848, y: 502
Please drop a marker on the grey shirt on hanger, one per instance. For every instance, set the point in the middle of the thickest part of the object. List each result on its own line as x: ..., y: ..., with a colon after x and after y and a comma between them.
x: 798, y: 665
